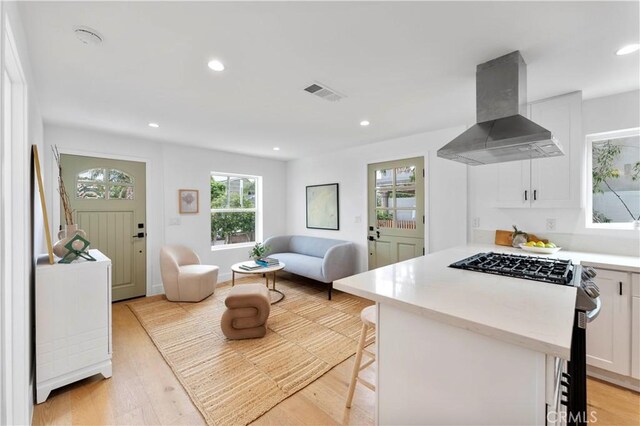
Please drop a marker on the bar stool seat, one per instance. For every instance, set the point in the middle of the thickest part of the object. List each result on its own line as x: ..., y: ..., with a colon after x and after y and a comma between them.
x: 368, y: 317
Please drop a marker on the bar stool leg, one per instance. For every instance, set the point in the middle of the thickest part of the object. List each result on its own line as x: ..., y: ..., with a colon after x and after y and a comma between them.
x: 356, y: 365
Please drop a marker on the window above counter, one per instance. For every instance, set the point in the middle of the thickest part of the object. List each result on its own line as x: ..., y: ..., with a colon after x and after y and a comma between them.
x: 613, y: 180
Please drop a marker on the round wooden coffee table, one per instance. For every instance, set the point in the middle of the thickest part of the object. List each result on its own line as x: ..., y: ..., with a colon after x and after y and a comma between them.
x: 266, y: 270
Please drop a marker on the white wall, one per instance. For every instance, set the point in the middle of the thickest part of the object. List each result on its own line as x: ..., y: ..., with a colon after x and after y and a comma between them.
x: 191, y: 169
x: 445, y: 189
x: 615, y: 112
x: 620, y: 111
x: 171, y: 167
x: 26, y: 238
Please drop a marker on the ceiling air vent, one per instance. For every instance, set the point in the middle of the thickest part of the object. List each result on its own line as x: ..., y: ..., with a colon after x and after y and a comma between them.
x: 88, y: 35
x: 322, y: 91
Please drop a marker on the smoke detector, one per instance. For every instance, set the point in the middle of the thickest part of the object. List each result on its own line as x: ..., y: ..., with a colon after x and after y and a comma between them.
x: 88, y: 35
x: 322, y: 91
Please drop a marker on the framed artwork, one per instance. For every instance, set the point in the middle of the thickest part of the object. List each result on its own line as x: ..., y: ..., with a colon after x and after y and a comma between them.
x: 188, y: 201
x: 323, y: 207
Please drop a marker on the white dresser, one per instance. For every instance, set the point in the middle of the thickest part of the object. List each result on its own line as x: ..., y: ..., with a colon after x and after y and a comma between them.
x: 73, y: 322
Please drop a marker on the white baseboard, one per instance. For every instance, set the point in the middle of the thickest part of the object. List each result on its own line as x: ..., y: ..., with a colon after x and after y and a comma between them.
x: 616, y: 379
x: 224, y: 277
x: 32, y: 390
x: 156, y: 289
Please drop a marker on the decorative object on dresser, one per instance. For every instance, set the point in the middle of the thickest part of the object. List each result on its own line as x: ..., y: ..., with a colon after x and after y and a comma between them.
x: 183, y: 277
x: 77, y: 247
x: 323, y: 207
x: 70, y: 229
x: 248, y: 308
x: 43, y: 203
x: 64, y: 196
x: 64, y: 237
x: 188, y: 201
x: 73, y: 322
x: 320, y: 259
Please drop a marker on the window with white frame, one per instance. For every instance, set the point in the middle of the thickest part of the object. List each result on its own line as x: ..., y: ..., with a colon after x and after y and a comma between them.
x: 614, y: 190
x: 235, y: 212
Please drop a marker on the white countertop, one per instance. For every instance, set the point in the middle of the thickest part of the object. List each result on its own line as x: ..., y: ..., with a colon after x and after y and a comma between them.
x: 532, y: 314
x: 604, y: 261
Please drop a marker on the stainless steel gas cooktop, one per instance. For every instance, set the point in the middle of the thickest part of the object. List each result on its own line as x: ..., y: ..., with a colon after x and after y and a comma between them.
x: 543, y: 269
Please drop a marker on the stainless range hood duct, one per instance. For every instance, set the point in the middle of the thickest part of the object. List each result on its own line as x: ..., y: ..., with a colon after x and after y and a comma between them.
x: 502, y: 132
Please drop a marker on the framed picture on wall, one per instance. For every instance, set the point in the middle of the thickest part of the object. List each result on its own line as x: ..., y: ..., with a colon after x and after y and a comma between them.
x: 188, y: 201
x: 323, y: 207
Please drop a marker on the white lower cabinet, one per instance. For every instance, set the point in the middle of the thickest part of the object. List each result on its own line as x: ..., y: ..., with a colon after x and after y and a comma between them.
x: 73, y: 322
x: 635, y: 326
x: 609, y: 336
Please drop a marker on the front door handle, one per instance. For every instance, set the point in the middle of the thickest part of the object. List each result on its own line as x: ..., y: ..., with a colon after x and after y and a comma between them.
x: 138, y: 235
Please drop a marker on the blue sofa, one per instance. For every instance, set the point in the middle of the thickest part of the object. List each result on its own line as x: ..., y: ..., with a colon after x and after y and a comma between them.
x: 320, y: 259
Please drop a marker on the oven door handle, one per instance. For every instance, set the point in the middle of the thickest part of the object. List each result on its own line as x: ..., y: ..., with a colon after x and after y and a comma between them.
x: 593, y: 314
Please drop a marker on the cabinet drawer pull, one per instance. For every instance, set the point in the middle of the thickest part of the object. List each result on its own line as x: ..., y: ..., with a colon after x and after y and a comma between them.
x: 525, y: 195
x: 535, y: 194
x: 620, y: 288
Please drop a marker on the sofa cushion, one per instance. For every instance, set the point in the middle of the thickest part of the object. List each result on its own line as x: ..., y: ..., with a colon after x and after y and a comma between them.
x: 311, y: 246
x: 300, y: 264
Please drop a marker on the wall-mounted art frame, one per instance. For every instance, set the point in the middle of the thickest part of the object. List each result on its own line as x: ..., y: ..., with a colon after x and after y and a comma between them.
x: 323, y: 207
x: 188, y: 201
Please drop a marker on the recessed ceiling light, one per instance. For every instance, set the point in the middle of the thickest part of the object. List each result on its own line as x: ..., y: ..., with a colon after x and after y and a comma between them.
x: 154, y: 125
x: 216, y: 65
x: 275, y: 148
x: 364, y: 123
x: 629, y: 48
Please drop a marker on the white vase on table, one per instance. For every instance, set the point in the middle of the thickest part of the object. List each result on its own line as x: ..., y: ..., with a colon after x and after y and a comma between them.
x: 64, y: 236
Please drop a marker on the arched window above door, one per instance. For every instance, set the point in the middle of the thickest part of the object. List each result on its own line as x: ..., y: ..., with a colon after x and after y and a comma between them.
x: 104, y: 183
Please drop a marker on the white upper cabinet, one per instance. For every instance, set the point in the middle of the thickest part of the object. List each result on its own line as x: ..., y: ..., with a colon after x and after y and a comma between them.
x: 550, y: 182
x: 514, y: 182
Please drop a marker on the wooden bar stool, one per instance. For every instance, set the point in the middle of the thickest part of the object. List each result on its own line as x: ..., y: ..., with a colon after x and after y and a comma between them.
x: 368, y: 317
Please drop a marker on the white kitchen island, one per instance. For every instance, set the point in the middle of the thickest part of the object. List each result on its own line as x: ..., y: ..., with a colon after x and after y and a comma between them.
x: 463, y: 347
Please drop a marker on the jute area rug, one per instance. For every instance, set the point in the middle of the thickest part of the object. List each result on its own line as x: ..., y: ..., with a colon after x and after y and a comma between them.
x: 235, y: 382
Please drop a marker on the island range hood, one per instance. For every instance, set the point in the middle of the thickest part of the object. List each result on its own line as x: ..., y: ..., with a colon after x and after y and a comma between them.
x: 502, y: 132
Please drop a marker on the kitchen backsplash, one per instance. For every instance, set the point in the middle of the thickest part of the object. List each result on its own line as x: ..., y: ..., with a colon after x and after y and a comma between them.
x: 574, y: 242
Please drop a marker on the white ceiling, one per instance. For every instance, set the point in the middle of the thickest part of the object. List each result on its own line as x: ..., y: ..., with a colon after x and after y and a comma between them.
x: 406, y: 67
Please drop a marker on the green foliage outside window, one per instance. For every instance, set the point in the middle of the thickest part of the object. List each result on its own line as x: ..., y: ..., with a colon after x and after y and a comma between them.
x: 604, y: 172
x: 231, y: 192
x: 227, y: 225
x: 383, y: 215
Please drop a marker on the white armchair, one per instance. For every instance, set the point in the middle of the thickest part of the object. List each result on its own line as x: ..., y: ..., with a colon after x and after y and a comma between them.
x: 183, y: 277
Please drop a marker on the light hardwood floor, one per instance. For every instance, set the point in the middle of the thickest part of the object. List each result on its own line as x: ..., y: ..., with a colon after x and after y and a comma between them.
x: 143, y: 390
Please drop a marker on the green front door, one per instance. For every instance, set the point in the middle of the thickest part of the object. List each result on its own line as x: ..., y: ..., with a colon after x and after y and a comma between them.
x: 396, y: 211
